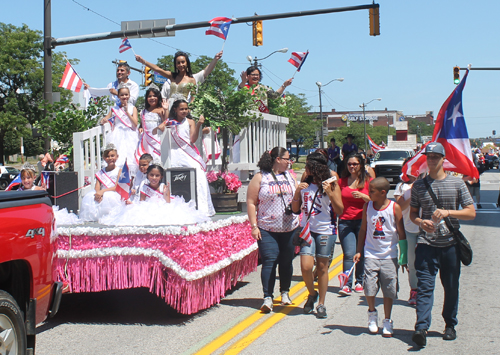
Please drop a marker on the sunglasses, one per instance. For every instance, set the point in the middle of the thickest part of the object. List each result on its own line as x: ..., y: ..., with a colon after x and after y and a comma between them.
x: 352, y: 164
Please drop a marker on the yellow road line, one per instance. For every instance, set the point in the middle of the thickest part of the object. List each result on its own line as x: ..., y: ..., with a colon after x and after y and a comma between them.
x: 240, y: 327
x: 275, y: 318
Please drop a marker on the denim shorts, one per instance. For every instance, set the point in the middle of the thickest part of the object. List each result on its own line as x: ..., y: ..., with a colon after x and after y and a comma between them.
x: 321, y: 245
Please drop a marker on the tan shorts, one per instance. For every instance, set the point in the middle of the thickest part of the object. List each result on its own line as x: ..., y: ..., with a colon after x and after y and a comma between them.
x: 381, y: 273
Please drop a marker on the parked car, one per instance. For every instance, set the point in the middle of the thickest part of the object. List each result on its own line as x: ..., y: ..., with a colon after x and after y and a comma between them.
x: 7, y: 174
x: 491, y: 161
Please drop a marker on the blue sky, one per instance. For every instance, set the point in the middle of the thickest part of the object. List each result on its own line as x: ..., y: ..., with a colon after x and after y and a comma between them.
x: 409, y: 66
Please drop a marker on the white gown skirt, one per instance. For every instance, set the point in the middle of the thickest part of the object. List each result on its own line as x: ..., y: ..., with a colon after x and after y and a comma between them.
x: 92, y: 211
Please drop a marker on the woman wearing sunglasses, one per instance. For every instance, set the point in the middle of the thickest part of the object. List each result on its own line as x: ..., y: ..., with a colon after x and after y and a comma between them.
x: 354, y: 189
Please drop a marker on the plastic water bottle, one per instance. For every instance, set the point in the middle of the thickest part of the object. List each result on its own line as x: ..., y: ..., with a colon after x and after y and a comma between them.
x: 442, y: 228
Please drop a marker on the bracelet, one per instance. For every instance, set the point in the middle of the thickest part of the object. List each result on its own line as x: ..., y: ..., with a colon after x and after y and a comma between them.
x: 254, y: 226
x: 420, y: 225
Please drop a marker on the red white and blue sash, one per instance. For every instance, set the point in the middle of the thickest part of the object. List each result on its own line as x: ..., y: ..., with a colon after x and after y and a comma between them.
x: 190, y: 150
x: 149, y: 192
x: 122, y: 116
x: 104, y: 179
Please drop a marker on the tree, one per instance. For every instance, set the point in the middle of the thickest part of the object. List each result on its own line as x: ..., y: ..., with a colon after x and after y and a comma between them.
x: 419, y: 128
x: 21, y: 80
x: 301, y: 128
x: 377, y: 134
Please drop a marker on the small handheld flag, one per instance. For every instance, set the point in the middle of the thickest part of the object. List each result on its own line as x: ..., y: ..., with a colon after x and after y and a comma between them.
x: 123, y: 185
x: 343, y: 277
x: 125, y: 46
x: 44, y: 179
x: 374, y: 147
x: 298, y: 59
x: 70, y: 79
x: 16, y: 182
x: 63, y: 159
x: 219, y: 26
x: 306, y: 234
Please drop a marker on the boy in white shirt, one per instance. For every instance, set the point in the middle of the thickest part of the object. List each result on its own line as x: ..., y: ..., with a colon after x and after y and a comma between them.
x: 381, y: 230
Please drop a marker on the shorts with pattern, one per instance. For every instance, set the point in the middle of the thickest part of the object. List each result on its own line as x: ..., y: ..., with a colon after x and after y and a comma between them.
x: 381, y: 273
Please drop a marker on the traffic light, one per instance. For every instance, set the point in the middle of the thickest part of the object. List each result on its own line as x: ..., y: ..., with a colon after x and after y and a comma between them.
x: 257, y: 33
x: 148, y: 76
x: 374, y: 21
x: 456, y: 75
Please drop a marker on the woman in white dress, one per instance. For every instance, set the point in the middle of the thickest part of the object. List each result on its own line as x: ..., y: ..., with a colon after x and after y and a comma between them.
x: 123, y: 134
x: 184, y: 133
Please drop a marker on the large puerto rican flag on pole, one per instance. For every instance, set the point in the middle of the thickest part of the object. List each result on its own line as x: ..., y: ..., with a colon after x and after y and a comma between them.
x: 219, y: 26
x: 451, y: 132
x: 123, y: 185
x: 298, y: 59
x: 70, y: 79
x: 374, y: 147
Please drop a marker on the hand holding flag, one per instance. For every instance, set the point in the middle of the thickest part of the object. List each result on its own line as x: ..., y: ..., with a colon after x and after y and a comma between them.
x: 219, y: 26
x: 123, y: 185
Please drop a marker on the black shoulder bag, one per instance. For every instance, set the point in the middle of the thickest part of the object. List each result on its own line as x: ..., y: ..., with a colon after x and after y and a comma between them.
x: 464, y: 248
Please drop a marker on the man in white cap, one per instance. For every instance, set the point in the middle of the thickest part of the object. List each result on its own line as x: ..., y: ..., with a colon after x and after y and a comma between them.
x: 436, y: 249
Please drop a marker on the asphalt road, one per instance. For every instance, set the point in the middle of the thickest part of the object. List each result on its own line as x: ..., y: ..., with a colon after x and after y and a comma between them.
x: 137, y: 322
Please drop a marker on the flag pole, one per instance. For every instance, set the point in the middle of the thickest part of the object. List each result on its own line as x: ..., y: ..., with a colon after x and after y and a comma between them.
x: 223, y: 43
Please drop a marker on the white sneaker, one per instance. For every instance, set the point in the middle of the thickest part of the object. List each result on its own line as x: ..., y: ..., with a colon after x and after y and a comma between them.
x: 387, y: 331
x: 373, y: 322
x: 267, y: 306
x: 285, y: 299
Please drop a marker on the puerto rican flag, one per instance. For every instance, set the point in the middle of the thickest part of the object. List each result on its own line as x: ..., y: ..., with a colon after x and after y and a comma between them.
x: 70, y: 79
x: 16, y: 182
x: 306, y: 234
x: 44, y: 179
x: 451, y: 132
x: 63, y: 159
x: 125, y: 46
x: 374, y: 147
x: 219, y: 27
x: 123, y: 185
x: 343, y: 277
x: 298, y: 59
x: 416, y: 165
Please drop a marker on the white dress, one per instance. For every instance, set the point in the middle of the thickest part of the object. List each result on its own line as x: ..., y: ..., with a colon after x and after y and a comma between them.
x: 125, y: 140
x: 151, y: 142
x: 91, y: 210
x: 155, y: 211
x: 182, y: 158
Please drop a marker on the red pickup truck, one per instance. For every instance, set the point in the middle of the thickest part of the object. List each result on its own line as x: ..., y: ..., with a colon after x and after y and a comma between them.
x: 28, y: 293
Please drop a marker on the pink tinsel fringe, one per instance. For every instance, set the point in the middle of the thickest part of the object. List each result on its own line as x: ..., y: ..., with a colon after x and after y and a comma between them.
x: 116, y: 273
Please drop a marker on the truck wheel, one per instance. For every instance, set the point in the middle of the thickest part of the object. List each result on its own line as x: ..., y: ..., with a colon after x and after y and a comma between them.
x: 12, y: 331
x: 3, y: 184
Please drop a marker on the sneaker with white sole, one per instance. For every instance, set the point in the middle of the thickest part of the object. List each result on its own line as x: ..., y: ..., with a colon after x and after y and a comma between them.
x: 373, y: 322
x: 285, y: 299
x: 358, y: 288
x: 309, y: 305
x: 321, y: 311
x: 345, y: 291
x: 387, y: 330
x: 267, y: 306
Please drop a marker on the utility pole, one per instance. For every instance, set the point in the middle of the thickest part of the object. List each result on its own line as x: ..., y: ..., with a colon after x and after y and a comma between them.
x: 47, y: 59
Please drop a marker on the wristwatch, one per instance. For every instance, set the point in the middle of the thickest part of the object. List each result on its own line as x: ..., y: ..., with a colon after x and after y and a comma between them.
x: 254, y: 225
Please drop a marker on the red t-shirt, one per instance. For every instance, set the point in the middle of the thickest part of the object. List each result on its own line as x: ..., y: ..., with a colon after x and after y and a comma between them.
x: 353, y: 207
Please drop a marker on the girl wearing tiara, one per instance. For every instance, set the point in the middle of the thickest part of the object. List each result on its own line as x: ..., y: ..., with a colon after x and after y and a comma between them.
x: 103, y: 199
x: 28, y: 176
x: 155, y: 207
x: 152, y: 124
x: 184, y: 154
x: 123, y: 134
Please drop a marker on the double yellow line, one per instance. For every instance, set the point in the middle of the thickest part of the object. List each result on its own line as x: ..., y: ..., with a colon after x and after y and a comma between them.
x: 298, y: 294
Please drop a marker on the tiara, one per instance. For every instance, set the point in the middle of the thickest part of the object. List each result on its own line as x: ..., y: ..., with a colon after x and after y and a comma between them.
x: 152, y: 86
x: 110, y: 146
x: 122, y: 86
x: 28, y: 166
x: 155, y: 162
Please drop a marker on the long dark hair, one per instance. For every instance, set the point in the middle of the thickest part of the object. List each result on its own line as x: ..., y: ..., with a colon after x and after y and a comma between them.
x: 156, y: 166
x: 267, y: 159
x: 316, y: 165
x: 363, y: 177
x: 175, y: 106
x: 189, y: 72
x: 157, y: 94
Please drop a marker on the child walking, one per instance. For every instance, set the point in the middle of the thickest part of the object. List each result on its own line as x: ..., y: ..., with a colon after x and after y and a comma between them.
x: 102, y: 200
x: 381, y: 230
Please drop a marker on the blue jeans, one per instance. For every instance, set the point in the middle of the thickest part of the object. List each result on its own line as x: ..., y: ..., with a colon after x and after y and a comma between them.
x: 348, y: 235
x: 276, y: 249
x: 321, y: 245
x: 428, y: 260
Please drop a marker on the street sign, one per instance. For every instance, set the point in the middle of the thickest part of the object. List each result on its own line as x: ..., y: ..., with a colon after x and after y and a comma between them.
x: 159, y: 78
x: 137, y: 25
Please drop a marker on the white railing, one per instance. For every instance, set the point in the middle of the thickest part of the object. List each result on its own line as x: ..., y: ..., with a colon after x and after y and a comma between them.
x: 253, y: 141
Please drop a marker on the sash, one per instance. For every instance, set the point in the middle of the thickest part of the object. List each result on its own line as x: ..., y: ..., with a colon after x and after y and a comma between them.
x: 191, y: 151
x: 149, y: 192
x: 262, y: 107
x: 122, y: 116
x: 104, y: 179
x: 207, y: 146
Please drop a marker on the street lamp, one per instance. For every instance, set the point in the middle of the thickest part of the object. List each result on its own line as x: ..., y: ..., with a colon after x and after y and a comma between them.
x: 363, y: 105
x: 321, y: 108
x: 255, y: 63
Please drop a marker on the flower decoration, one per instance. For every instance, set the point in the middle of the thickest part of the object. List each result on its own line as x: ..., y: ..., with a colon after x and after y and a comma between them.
x: 224, y: 182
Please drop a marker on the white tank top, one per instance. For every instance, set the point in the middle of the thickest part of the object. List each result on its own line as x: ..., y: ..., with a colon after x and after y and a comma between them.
x: 381, y: 233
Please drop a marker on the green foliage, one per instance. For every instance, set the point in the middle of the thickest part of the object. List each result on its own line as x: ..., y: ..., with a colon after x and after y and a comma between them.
x: 419, y: 128
x: 74, y: 119
x: 377, y: 134
x: 32, y: 145
x: 21, y: 80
